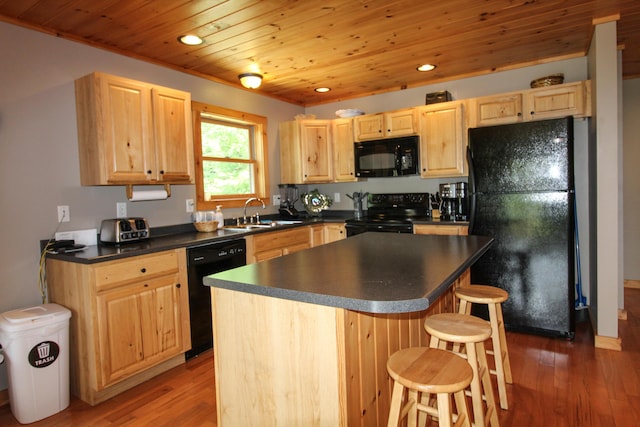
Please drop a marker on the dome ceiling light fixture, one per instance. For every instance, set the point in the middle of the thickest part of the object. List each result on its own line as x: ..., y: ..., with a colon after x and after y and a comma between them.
x: 190, y: 40
x: 426, y: 67
x: 250, y: 80
x: 322, y: 89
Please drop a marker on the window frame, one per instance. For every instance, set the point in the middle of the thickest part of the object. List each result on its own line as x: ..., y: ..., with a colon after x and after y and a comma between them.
x: 259, y: 155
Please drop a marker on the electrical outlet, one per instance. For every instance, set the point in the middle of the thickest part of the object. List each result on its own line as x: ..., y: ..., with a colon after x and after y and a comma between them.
x: 189, y: 203
x: 121, y: 210
x: 275, y: 200
x: 63, y: 214
x: 336, y: 197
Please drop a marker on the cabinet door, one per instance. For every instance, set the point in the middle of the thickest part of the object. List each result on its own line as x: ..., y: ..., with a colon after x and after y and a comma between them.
x: 174, y: 135
x: 400, y: 123
x: 138, y: 326
x: 558, y: 101
x: 127, y: 131
x: 497, y: 110
x: 343, y: 161
x: 317, y: 151
x: 369, y: 126
x: 448, y: 230
x: 442, y: 143
x: 334, y: 232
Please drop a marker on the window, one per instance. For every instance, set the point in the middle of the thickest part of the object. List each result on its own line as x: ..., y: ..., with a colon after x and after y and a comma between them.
x: 231, y: 156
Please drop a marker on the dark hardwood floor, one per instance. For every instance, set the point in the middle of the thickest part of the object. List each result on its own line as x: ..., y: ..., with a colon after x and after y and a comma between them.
x: 556, y: 383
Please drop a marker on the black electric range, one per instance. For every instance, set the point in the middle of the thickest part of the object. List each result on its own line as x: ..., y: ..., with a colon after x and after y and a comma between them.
x: 391, y: 213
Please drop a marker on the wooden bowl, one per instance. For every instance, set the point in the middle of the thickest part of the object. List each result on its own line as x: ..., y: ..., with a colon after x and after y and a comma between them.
x: 207, y: 226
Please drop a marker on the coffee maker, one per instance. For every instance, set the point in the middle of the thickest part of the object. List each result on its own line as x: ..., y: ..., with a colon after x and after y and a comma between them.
x: 288, y: 197
x: 455, y: 202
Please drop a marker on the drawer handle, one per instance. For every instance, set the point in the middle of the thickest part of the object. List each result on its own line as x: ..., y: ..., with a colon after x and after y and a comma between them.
x: 143, y: 270
x: 178, y: 285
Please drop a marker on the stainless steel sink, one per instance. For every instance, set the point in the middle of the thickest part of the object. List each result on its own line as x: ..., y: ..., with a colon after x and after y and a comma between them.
x: 263, y: 224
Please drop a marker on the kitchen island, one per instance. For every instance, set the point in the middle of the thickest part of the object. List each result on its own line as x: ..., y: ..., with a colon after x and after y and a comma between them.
x: 304, y: 339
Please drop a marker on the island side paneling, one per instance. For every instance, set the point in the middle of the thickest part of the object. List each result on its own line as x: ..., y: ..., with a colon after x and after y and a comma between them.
x: 370, y: 339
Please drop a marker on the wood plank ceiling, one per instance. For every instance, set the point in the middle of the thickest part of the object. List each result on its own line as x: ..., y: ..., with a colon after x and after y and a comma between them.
x: 355, y: 47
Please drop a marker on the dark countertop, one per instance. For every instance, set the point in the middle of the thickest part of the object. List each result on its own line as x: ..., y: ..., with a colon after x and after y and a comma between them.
x: 370, y: 272
x: 185, y: 235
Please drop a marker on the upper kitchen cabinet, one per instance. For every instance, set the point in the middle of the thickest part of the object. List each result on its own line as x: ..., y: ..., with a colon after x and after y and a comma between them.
x: 570, y: 99
x: 306, y: 151
x: 131, y: 132
x: 442, y: 140
x: 343, y: 161
x: 496, y: 110
x: 386, y: 125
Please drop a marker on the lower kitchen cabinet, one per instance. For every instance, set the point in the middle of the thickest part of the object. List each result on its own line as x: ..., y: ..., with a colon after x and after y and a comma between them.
x: 274, y: 244
x: 334, y: 232
x: 448, y: 230
x: 130, y: 319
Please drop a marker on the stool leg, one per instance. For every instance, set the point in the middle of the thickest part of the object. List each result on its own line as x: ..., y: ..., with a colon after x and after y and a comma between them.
x: 498, y: 354
x: 503, y: 344
x: 444, y: 410
x: 461, y: 409
x: 464, y: 307
x: 483, y: 368
x: 476, y: 389
x: 413, y: 409
x: 396, y: 403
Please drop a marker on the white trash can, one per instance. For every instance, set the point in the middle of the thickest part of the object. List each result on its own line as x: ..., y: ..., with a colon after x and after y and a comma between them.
x: 35, y: 342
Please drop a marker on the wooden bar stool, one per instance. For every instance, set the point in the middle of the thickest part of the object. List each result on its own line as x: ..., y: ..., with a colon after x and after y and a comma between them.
x: 471, y: 331
x: 428, y: 370
x: 493, y: 297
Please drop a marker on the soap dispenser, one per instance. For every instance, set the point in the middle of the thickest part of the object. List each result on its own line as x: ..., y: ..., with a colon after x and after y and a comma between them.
x: 219, y: 216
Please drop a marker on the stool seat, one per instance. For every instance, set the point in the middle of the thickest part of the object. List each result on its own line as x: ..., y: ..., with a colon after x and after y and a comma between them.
x: 459, y: 328
x: 482, y: 294
x: 431, y: 371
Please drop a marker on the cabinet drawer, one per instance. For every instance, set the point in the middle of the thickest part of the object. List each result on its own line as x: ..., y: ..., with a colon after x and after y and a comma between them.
x: 116, y: 273
x: 281, y: 239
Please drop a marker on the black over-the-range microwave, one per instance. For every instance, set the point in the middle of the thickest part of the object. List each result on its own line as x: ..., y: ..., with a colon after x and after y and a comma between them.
x: 387, y: 157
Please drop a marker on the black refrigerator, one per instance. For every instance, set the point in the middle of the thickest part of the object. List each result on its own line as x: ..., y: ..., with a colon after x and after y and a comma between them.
x: 521, y: 193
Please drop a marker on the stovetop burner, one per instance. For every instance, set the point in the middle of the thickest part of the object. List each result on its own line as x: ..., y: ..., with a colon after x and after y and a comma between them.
x: 395, y: 208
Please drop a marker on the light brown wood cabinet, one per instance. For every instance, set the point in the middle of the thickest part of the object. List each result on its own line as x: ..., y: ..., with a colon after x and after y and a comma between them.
x: 334, y: 232
x: 274, y: 244
x: 442, y: 140
x: 343, y: 153
x: 131, y: 132
x: 570, y: 99
x: 448, y: 230
x: 306, y: 151
x: 130, y: 319
x: 386, y: 125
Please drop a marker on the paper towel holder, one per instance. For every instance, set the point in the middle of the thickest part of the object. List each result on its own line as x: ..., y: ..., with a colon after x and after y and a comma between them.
x: 167, y: 188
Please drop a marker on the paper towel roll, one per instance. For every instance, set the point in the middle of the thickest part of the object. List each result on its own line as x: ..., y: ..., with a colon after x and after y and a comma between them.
x: 139, y: 195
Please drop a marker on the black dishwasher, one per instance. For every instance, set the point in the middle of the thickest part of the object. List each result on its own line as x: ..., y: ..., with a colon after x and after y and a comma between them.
x: 202, y: 261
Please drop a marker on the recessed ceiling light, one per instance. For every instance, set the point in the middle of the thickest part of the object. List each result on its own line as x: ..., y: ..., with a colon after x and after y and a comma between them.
x: 322, y: 89
x: 426, y: 67
x: 190, y: 40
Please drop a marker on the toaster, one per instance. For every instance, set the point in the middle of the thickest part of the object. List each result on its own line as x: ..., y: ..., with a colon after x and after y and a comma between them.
x: 122, y: 230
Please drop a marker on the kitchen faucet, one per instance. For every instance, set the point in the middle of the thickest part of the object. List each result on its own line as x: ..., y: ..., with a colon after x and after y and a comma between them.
x: 247, y: 203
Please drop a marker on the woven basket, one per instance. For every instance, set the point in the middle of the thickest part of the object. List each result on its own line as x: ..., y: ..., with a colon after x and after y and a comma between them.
x: 207, y: 226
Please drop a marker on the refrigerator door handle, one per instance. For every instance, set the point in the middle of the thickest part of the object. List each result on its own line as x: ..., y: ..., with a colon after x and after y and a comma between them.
x: 472, y: 190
